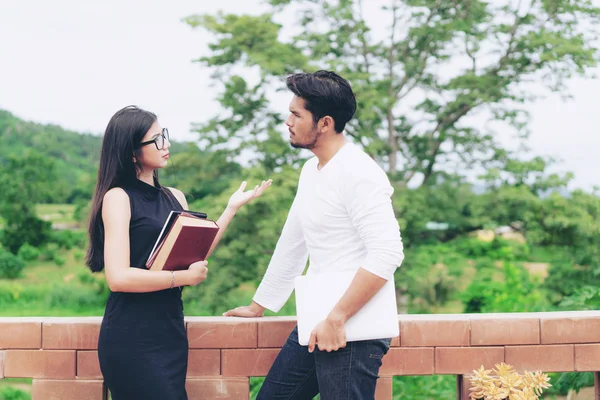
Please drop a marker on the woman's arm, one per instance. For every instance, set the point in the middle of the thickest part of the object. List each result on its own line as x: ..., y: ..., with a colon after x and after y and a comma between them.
x: 237, y: 200
x: 116, y: 215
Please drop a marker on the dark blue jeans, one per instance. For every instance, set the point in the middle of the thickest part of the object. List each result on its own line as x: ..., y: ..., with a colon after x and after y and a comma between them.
x: 349, y: 373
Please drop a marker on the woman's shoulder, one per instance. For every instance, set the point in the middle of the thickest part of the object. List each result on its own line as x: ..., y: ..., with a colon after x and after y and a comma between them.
x: 116, y: 205
x: 116, y: 196
x: 176, y: 192
x: 179, y: 196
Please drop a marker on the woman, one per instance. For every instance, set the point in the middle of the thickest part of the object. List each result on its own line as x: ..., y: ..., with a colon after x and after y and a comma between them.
x: 143, y: 346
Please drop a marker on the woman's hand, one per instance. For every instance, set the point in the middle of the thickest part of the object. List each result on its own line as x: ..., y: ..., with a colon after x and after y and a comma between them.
x: 239, y: 197
x: 198, y: 272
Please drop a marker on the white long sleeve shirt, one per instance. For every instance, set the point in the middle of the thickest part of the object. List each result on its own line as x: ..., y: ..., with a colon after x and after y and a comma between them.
x: 342, y: 218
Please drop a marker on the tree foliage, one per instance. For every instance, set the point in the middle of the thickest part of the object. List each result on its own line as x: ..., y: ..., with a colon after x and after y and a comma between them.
x: 26, y: 180
x: 200, y: 173
x: 441, y: 63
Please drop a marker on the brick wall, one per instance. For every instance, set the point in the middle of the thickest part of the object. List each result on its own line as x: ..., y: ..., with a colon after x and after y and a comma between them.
x: 60, y: 353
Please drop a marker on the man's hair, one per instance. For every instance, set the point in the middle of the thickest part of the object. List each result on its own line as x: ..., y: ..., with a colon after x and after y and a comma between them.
x: 325, y: 93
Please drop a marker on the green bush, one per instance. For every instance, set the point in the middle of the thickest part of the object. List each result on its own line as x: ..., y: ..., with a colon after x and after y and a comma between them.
x: 424, y: 387
x: 21, y: 228
x: 497, y: 249
x: 95, y: 282
x: 563, y: 382
x: 9, y: 293
x: 82, y: 207
x: 13, y: 292
x: 10, y: 393
x: 28, y: 252
x: 78, y: 255
x: 430, y: 275
x: 472, y: 247
x: 11, y: 266
x: 565, y: 278
x: 48, y: 252
x: 59, y: 260
x: 74, y: 297
x: 516, y: 292
x: 584, y: 298
x: 68, y: 239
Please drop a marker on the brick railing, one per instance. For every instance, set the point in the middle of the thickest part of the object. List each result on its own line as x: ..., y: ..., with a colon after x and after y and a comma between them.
x: 60, y: 353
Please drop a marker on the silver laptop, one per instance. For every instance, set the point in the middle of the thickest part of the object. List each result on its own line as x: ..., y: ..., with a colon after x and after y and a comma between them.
x: 317, y: 294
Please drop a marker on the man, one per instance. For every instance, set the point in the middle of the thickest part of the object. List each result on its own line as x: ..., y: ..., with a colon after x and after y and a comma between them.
x: 342, y: 218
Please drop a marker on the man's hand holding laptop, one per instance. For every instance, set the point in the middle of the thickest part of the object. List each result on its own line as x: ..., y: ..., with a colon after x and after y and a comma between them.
x: 329, y: 334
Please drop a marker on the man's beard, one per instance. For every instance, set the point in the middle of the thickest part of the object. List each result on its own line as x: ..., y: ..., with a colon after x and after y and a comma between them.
x: 315, y: 134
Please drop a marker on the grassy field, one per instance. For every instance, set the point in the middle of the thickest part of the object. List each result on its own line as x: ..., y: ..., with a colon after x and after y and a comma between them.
x: 15, y: 389
x: 60, y: 215
x: 56, y: 212
x: 47, y: 289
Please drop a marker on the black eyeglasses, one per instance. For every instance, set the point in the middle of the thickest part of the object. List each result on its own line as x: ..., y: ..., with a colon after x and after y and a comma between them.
x: 158, y: 141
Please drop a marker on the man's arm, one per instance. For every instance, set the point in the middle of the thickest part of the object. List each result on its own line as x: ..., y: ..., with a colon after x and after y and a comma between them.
x: 370, y: 208
x: 288, y: 262
x: 363, y: 287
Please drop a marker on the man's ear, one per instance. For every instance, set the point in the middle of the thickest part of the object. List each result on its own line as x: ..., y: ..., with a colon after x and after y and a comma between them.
x: 327, y: 123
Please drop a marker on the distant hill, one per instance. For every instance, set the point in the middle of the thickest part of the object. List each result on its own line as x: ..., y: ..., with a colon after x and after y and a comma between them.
x: 74, y: 153
x: 77, y: 155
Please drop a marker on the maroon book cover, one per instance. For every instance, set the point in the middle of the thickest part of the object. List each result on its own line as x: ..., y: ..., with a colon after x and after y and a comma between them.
x: 184, y: 240
x: 191, y: 245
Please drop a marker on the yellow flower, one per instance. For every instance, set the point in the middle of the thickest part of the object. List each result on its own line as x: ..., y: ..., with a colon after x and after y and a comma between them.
x: 496, y: 393
x: 482, y: 374
x: 540, y: 382
x: 503, y: 369
x: 524, y: 395
x: 504, y: 383
x: 529, y: 394
x: 480, y: 389
x: 513, y: 382
x: 477, y: 394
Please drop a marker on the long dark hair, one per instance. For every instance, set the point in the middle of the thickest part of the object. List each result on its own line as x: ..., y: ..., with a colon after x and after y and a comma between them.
x: 124, y: 132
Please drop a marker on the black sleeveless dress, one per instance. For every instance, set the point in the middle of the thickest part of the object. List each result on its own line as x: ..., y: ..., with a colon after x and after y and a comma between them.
x: 143, y: 346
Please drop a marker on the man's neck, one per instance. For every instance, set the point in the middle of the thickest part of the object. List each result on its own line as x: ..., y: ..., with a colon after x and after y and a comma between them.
x: 328, y: 148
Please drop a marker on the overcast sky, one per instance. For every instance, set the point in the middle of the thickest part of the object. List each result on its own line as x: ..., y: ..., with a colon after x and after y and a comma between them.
x: 74, y: 63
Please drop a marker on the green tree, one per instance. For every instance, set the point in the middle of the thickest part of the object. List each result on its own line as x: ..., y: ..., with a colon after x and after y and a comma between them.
x: 441, y: 62
x: 516, y: 292
x: 430, y: 276
x: 438, y: 212
x: 200, y: 173
x: 571, y: 224
x: 26, y: 180
x: 509, y: 170
x: 572, y: 221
